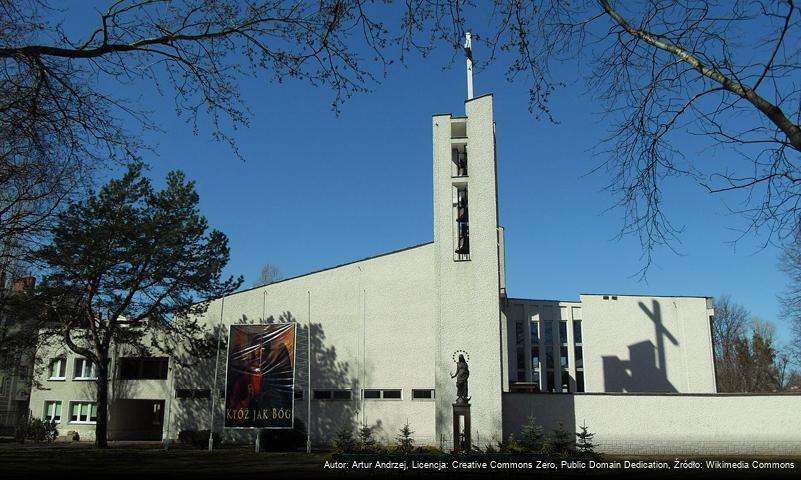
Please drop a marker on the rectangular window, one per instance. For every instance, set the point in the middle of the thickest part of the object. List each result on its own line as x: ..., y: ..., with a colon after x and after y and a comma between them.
x: 58, y: 369
x: 52, y: 411
x: 341, y: 395
x: 535, y: 332
x: 386, y: 394
x: 391, y: 394
x: 563, y: 362
x: 84, y: 369
x: 565, y: 381
x: 520, y: 343
x: 550, y: 381
x: 577, y: 331
x: 562, y: 331
x: 192, y: 393
x: 332, y: 394
x: 547, y: 332
x: 322, y: 395
x: 579, y: 358
x: 370, y: 394
x: 422, y: 394
x: 579, y: 381
x: 535, y: 358
x: 83, y: 412
x: 144, y: 368
x: 548, y: 357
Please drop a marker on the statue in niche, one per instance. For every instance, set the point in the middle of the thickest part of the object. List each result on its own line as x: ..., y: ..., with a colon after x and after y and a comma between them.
x: 461, y: 375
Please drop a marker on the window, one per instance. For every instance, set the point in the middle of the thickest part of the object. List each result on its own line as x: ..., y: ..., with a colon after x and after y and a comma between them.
x: 192, y: 393
x: 338, y: 394
x: 58, y: 369
x: 563, y: 332
x: 535, y: 332
x: 422, y: 394
x: 84, y: 369
x: 548, y: 332
x: 565, y: 381
x: 375, y: 394
x: 83, y: 412
x: 144, y: 368
x: 52, y: 411
x: 549, y: 357
x: 579, y: 358
x: 5, y: 386
x: 577, y: 331
x: 580, y: 381
x: 520, y: 350
x: 563, y: 362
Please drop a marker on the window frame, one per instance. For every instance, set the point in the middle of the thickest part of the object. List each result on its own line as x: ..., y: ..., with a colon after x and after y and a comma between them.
x: 331, y: 396
x: 60, y: 413
x: 84, y: 361
x: 424, y: 399
x: 382, y: 392
x: 88, y: 420
x: 63, y: 369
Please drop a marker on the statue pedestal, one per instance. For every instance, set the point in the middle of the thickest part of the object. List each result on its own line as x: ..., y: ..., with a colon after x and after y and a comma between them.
x: 461, y: 428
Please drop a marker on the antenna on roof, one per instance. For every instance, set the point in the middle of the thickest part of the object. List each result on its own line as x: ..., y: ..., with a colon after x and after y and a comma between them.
x: 468, y: 52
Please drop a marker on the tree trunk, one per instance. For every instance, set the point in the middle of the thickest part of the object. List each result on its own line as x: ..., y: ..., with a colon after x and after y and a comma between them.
x: 101, y: 427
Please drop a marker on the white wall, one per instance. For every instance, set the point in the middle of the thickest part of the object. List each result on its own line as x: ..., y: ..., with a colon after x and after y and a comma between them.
x: 373, y: 326
x: 668, y: 424
x: 468, y: 308
x: 647, y: 344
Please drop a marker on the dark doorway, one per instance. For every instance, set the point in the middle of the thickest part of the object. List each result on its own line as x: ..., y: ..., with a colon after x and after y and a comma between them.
x: 137, y: 420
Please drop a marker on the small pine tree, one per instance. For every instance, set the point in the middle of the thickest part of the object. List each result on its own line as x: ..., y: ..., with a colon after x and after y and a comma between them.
x: 584, y: 443
x: 532, y: 436
x: 560, y: 442
x: 405, y: 440
x: 344, y: 441
x: 367, y: 443
x: 511, y: 445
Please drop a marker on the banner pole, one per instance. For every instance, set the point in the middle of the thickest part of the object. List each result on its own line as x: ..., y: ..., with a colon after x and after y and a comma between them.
x: 214, y: 381
x: 308, y: 377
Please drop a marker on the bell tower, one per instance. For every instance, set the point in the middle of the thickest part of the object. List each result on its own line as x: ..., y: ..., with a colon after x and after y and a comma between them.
x: 468, y: 265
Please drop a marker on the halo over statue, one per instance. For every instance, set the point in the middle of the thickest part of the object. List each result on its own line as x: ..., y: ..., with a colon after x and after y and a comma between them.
x: 461, y: 376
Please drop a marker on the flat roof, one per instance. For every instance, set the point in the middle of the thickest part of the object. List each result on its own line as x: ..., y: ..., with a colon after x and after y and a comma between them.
x: 646, y: 295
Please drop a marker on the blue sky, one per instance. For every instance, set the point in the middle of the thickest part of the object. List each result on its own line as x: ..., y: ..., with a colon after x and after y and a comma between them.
x: 317, y: 189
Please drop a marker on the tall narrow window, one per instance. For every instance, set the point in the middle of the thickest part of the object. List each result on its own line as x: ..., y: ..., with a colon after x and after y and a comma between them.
x: 459, y: 154
x: 520, y: 352
x: 462, y: 225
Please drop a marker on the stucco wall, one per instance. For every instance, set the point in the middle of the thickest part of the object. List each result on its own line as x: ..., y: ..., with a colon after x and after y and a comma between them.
x: 670, y: 424
x: 372, y: 326
x: 647, y: 344
x: 468, y: 291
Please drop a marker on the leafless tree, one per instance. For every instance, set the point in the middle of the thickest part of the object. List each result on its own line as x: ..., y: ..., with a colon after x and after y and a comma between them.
x: 729, y: 325
x: 724, y: 70
x: 64, y: 98
x: 269, y: 274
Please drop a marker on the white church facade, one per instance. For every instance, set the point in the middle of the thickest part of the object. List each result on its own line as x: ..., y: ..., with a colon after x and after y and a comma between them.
x: 378, y: 339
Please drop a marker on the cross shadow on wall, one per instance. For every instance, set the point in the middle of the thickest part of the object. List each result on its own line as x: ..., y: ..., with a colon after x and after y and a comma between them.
x: 328, y: 372
x: 646, y: 368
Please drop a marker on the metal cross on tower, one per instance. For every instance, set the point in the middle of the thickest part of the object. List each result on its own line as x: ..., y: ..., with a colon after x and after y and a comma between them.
x: 468, y: 51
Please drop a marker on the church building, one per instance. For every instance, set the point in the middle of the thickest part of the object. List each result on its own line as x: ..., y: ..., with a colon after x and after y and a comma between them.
x: 379, y: 339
